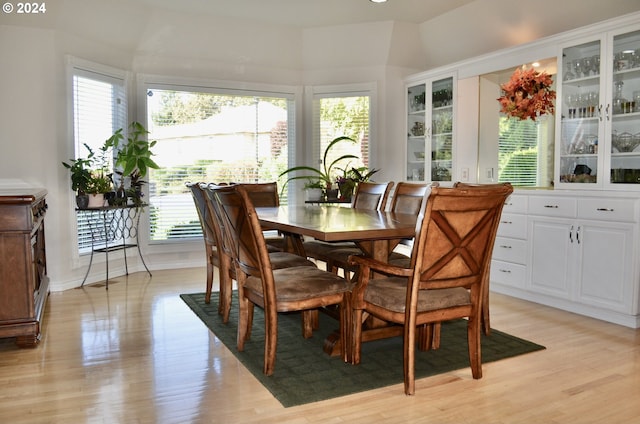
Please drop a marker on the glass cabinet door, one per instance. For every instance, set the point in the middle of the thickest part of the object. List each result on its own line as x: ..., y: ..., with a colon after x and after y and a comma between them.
x: 582, y: 114
x: 441, y: 129
x: 600, y: 121
x: 416, y: 131
x: 625, y: 109
x: 430, y: 130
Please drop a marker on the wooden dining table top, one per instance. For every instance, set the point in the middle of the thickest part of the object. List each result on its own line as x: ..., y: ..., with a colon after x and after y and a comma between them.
x: 335, y: 223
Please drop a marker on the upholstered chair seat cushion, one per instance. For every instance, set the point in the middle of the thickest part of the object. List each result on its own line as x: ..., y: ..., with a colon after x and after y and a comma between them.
x: 285, y: 260
x: 391, y: 294
x: 299, y: 283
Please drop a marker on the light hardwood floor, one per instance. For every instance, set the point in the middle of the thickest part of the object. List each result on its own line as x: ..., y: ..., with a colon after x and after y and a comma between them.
x: 137, y: 354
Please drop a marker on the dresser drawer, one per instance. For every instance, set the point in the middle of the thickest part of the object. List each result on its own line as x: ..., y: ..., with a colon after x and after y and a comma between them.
x: 510, y: 250
x: 553, y: 206
x: 622, y: 210
x: 508, y: 274
x: 513, y: 225
x: 516, y: 204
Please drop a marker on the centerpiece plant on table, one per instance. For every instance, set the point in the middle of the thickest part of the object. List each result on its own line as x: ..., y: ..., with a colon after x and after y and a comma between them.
x: 350, y: 179
x: 325, y: 175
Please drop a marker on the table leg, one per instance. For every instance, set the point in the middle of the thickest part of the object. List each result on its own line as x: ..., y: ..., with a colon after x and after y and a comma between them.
x: 373, y: 328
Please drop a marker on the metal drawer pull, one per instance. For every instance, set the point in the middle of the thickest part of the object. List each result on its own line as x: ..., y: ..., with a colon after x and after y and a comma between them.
x: 506, y: 271
x: 506, y: 222
x: 605, y: 209
x: 504, y: 246
x: 551, y: 206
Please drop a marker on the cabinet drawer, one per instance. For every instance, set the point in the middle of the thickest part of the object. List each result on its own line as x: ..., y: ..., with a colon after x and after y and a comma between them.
x: 508, y: 274
x: 513, y: 225
x: 553, y: 206
x: 623, y: 210
x: 515, y: 203
x: 510, y: 250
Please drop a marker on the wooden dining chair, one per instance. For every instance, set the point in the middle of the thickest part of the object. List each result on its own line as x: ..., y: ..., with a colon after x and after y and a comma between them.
x: 449, y: 261
x: 300, y: 288
x: 368, y: 195
x: 208, y: 234
x: 407, y: 198
x: 226, y: 250
x: 266, y: 195
x: 486, y: 320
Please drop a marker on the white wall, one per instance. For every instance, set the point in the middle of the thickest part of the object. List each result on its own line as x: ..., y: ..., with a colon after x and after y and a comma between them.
x: 35, y: 112
x: 35, y: 135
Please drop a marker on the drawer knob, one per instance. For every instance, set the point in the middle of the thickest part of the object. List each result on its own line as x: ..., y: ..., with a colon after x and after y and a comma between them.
x: 551, y: 206
x: 605, y: 209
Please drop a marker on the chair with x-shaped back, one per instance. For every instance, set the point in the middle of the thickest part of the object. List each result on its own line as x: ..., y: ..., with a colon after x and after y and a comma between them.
x: 298, y: 288
x: 446, y: 277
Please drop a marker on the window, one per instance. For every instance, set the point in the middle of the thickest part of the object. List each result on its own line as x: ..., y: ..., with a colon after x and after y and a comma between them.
x: 525, y: 157
x: 346, y: 113
x: 99, y: 109
x: 211, y: 135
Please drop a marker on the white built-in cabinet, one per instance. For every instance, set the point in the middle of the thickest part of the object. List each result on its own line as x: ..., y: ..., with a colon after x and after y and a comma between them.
x: 579, y: 253
x: 598, y: 124
x: 430, y: 128
x: 510, y: 249
x: 576, y: 246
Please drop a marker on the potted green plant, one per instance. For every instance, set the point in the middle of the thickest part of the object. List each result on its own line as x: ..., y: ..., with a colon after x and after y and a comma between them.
x: 350, y: 179
x: 134, y: 160
x: 313, y: 190
x: 325, y: 174
x: 81, y: 177
x: 98, y: 185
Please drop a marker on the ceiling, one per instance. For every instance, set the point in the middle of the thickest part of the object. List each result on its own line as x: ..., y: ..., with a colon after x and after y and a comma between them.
x: 313, y: 13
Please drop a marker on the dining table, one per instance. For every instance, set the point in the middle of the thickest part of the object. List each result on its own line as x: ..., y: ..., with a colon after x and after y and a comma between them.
x: 376, y: 233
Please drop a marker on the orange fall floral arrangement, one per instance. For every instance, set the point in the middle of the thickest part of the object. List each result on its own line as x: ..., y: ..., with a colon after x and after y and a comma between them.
x: 528, y: 94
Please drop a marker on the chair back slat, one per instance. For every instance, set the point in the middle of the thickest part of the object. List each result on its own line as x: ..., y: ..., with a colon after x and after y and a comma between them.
x: 263, y: 194
x: 371, y: 196
x: 408, y: 197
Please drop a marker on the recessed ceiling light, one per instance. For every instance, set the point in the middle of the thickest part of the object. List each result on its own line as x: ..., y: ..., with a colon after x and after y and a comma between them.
x: 378, y: 1
x: 535, y: 64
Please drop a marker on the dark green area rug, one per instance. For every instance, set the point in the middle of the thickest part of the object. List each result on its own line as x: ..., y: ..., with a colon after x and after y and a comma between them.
x: 304, y: 373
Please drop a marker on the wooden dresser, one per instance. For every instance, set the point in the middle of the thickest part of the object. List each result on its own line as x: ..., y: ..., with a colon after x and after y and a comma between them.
x: 24, y: 285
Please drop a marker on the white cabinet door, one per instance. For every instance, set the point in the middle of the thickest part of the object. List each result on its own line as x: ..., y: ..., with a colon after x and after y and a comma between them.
x: 552, y: 257
x: 606, y: 265
x: 430, y: 128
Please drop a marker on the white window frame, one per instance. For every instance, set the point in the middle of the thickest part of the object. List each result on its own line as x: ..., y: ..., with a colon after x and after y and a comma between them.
x: 311, y: 152
x: 144, y: 82
x: 80, y: 67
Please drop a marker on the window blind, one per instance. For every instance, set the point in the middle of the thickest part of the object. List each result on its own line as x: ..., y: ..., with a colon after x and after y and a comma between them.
x: 219, y: 136
x: 519, y: 152
x: 336, y: 115
x: 99, y: 109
